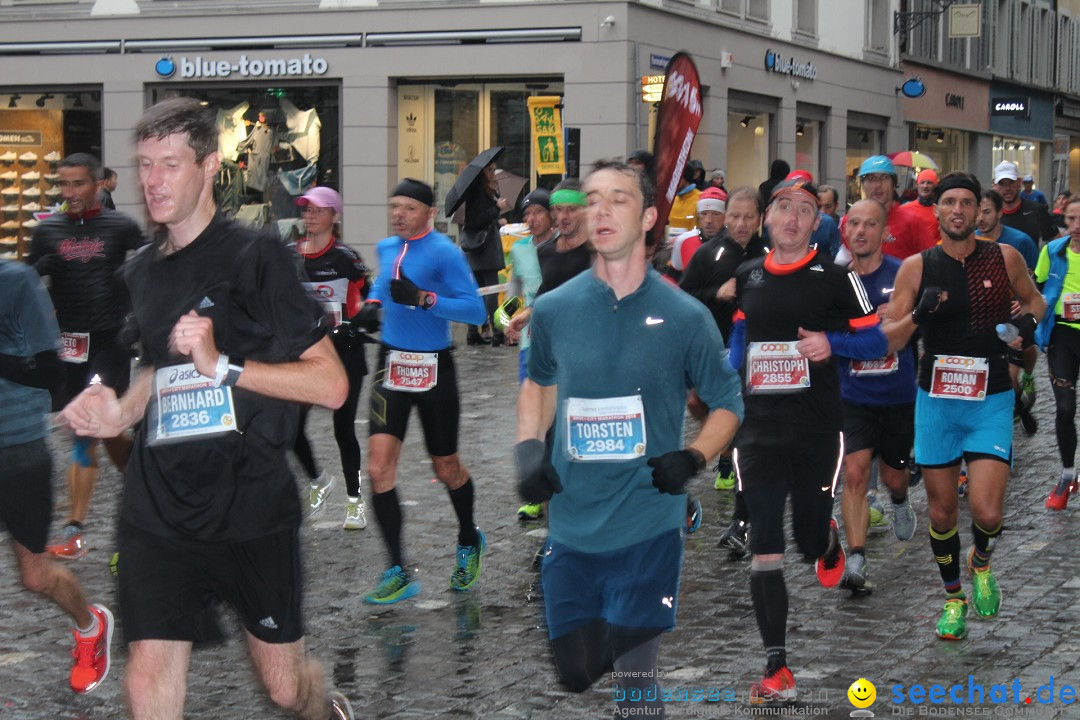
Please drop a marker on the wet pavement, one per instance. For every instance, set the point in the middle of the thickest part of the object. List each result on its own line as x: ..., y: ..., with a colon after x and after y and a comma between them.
x: 484, y: 654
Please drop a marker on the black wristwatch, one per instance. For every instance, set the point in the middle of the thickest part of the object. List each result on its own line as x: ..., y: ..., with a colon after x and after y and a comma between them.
x: 428, y: 302
x: 236, y: 366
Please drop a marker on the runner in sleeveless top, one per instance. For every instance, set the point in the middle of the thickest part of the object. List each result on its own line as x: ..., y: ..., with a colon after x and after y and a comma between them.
x: 424, y: 284
x: 957, y: 293
x: 1059, y: 335
x: 82, y: 250
x: 879, y: 403
x: 336, y: 277
x: 796, y: 309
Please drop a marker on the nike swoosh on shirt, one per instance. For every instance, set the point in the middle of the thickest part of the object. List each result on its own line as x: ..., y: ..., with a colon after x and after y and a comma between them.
x: 653, y: 321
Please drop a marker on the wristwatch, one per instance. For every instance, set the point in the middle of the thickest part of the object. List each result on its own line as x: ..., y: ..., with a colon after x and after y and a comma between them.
x: 428, y: 302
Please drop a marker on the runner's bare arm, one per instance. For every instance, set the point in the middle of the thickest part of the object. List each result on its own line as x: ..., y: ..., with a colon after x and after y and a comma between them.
x: 1031, y: 300
x: 716, y: 433
x: 536, y: 410
x: 897, y: 323
x: 318, y: 377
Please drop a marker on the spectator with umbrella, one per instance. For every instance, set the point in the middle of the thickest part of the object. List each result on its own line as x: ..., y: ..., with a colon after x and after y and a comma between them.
x: 478, y: 190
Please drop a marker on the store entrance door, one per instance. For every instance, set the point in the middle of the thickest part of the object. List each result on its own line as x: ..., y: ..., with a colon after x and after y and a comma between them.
x: 442, y: 126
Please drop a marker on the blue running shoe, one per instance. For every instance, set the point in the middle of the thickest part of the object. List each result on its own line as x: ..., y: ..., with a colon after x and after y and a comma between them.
x: 396, y: 585
x: 467, y: 569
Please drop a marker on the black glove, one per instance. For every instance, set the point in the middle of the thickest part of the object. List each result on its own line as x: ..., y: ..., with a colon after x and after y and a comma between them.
x: 537, y: 479
x: 405, y: 292
x: 928, y: 303
x: 368, y: 319
x: 1026, y: 324
x: 671, y: 471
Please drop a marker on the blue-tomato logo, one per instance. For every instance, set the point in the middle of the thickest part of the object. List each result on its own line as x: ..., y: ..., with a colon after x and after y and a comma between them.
x: 165, y: 67
x: 770, y: 59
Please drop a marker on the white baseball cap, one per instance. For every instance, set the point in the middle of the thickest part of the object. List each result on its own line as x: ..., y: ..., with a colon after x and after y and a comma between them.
x: 1006, y: 171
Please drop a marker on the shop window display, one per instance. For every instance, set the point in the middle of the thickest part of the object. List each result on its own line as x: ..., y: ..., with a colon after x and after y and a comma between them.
x: 275, y: 143
x: 37, y: 130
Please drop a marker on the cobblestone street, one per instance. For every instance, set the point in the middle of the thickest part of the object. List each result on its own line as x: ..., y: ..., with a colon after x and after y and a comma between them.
x: 484, y: 654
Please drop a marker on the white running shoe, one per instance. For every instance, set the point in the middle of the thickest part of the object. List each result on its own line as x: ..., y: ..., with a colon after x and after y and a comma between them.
x: 31, y: 177
x: 318, y: 492
x: 355, y: 515
x: 53, y: 157
x: 28, y: 157
x: 32, y: 193
x: 8, y: 157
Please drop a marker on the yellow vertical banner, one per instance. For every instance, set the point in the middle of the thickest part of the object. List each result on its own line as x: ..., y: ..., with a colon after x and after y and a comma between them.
x: 547, y: 135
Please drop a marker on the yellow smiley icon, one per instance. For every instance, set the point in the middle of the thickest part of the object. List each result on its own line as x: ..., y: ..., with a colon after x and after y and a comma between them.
x: 862, y: 693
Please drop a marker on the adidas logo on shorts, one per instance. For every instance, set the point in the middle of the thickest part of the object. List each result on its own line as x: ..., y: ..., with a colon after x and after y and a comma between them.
x: 206, y: 303
x: 268, y: 622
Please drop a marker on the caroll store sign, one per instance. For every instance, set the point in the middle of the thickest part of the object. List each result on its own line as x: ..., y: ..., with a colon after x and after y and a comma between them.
x: 199, y: 67
x: 777, y: 63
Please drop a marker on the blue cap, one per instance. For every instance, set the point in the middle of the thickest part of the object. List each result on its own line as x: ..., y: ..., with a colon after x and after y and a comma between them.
x: 877, y: 164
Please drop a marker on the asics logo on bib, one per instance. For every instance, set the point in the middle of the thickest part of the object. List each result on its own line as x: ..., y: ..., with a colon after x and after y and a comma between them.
x: 179, y: 374
x: 775, y: 347
x: 957, y: 360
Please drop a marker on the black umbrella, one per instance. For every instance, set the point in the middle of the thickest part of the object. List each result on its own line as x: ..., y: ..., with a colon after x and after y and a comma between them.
x: 468, y: 176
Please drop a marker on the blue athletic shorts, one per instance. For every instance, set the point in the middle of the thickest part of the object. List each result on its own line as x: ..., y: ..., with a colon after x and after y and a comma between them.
x: 523, y: 365
x: 635, y: 586
x: 948, y: 430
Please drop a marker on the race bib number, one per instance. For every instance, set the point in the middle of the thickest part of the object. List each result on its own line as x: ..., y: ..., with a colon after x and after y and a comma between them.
x: 605, y: 428
x: 332, y: 310
x: 1070, y: 307
x: 187, y: 406
x: 959, y: 378
x: 74, y: 347
x: 882, y: 366
x: 411, y: 371
x: 776, y: 367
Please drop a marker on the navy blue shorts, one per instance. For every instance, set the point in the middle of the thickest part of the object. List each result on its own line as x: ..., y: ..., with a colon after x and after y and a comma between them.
x: 635, y: 586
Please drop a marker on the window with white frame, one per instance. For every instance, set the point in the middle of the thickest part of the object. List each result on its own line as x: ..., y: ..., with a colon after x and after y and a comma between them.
x: 878, y: 25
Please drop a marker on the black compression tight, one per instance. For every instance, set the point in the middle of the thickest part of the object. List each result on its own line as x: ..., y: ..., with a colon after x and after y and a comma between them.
x: 1063, y: 360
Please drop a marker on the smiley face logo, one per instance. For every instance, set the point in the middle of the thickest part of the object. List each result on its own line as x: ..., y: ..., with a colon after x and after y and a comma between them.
x: 862, y: 693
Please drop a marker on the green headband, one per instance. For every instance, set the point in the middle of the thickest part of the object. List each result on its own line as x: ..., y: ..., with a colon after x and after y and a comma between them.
x: 568, y: 197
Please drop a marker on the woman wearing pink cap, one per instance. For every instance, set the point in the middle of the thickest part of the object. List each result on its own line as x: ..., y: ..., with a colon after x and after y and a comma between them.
x: 336, y: 277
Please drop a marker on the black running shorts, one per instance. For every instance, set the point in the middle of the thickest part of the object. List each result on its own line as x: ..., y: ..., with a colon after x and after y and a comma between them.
x: 108, y: 358
x: 772, y: 461
x: 26, y: 493
x: 439, y: 408
x: 888, y: 430
x: 169, y: 588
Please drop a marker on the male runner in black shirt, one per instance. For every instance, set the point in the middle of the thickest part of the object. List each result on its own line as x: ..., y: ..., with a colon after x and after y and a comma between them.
x: 231, y: 344
x: 797, y: 308
x: 82, y: 250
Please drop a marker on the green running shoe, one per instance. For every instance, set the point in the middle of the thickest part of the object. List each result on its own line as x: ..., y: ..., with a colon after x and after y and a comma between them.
x: 878, y: 522
x: 953, y: 622
x: 467, y: 570
x: 986, y: 595
x: 396, y: 585
x: 531, y: 511
x: 725, y: 475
